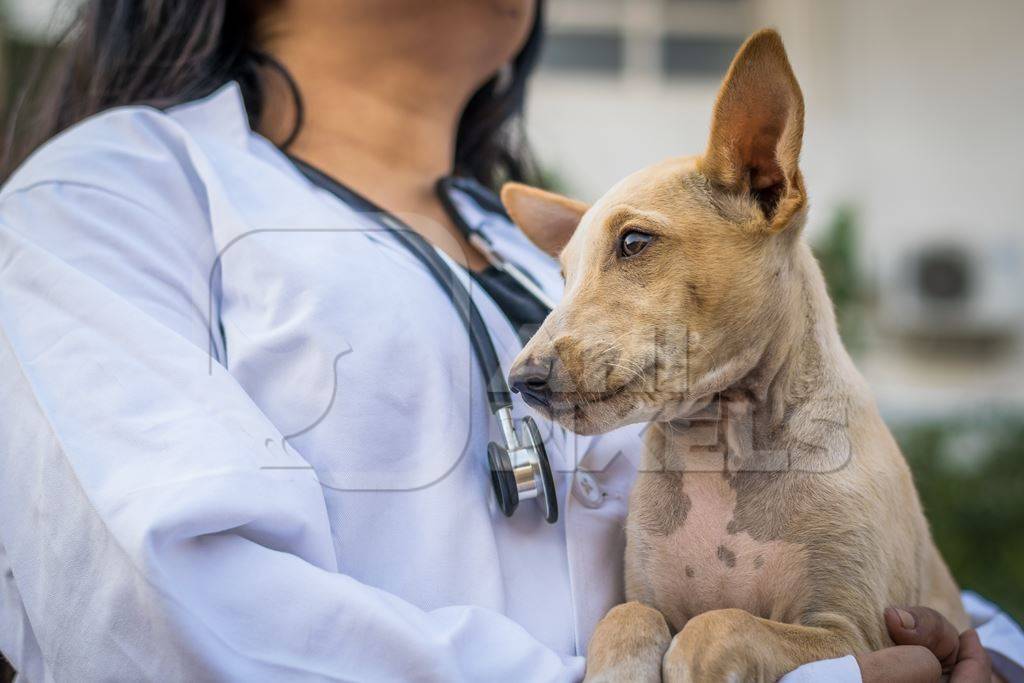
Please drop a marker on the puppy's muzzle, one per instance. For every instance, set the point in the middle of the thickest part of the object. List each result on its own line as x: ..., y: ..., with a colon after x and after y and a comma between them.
x: 531, y: 381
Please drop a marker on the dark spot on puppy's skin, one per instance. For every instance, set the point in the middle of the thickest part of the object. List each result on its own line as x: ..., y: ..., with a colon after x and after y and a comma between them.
x: 726, y: 474
x: 727, y: 556
x: 689, y: 572
x: 758, y: 562
x: 730, y: 528
x: 761, y: 507
x: 665, y: 506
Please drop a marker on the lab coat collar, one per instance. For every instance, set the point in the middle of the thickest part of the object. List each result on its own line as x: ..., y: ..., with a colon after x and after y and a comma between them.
x: 221, y: 113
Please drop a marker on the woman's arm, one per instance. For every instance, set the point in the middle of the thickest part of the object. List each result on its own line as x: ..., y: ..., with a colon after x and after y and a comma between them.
x: 926, y: 644
x: 153, y: 526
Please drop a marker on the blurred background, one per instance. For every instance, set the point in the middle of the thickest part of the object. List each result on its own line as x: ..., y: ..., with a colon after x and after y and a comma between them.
x: 914, y: 160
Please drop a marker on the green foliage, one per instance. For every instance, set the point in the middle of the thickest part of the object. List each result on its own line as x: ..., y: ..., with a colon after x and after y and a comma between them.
x: 837, y: 254
x: 970, y: 475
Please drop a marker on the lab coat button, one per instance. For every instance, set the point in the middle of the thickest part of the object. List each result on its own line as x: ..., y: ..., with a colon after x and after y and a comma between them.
x: 587, y: 491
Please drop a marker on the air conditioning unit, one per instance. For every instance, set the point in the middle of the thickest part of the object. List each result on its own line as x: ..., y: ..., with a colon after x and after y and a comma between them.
x: 954, y: 290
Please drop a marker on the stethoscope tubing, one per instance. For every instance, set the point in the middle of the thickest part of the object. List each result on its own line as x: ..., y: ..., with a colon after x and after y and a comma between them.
x: 498, y: 393
x: 520, y: 468
x: 481, y: 242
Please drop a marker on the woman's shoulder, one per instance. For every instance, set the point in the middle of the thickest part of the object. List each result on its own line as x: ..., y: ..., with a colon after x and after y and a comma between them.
x: 123, y: 198
x: 115, y: 148
x: 125, y: 180
x: 123, y: 177
x: 137, y: 151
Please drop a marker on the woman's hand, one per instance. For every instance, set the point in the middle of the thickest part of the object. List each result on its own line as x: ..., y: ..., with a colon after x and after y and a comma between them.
x: 927, y: 646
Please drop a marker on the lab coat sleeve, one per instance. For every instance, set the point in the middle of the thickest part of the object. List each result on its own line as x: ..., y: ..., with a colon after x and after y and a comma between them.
x: 998, y: 633
x: 153, y: 525
x: 841, y: 670
x: 1001, y: 636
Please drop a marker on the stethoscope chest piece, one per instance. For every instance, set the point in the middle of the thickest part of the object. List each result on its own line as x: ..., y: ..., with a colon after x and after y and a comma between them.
x: 521, y: 470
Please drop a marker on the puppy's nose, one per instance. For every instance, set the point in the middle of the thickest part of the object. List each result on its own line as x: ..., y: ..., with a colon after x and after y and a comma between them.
x: 531, y: 380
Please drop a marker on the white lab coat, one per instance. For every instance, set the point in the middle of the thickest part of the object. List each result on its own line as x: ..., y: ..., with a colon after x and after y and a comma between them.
x: 243, y: 434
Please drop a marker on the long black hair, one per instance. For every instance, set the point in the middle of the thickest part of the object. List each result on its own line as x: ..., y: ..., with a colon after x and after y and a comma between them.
x: 166, y: 52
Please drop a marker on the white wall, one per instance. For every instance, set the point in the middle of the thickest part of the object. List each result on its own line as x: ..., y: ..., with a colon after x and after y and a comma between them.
x: 593, y: 131
x: 919, y: 105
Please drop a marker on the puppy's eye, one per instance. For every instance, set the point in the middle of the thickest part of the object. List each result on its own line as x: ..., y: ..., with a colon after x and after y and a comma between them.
x: 633, y: 242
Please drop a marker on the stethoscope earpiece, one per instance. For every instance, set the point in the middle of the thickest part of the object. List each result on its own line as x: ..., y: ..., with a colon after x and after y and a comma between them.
x: 521, y: 469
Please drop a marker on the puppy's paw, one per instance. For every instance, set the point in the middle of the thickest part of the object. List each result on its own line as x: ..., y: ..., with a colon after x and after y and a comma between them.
x: 717, y: 647
x: 628, y: 645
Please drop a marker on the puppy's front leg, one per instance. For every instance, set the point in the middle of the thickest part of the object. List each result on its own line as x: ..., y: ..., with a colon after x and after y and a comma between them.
x: 628, y: 646
x: 732, y: 645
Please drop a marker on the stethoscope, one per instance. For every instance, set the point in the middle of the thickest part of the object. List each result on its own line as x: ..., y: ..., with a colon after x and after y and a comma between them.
x: 519, y: 469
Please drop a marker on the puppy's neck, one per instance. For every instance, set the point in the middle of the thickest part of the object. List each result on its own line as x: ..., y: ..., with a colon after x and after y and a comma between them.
x: 803, y: 368
x: 805, y: 362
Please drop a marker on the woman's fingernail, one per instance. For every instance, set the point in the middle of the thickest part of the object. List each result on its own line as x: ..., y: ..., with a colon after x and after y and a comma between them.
x: 906, y: 618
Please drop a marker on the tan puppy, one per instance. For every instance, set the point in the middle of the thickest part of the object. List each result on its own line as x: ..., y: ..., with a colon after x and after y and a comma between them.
x: 774, y: 517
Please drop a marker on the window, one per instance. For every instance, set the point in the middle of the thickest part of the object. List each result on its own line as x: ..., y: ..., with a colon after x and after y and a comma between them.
x: 584, y: 51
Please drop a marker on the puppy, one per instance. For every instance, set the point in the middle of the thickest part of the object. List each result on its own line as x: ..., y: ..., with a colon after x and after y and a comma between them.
x: 774, y: 517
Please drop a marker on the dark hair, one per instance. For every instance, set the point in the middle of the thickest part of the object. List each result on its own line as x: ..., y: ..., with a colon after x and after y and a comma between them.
x: 166, y: 52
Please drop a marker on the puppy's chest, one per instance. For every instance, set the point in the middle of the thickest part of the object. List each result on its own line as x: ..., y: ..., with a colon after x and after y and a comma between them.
x: 691, y: 557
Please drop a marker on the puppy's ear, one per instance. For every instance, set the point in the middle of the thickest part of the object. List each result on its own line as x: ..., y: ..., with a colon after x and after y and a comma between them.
x: 757, y: 129
x: 548, y: 219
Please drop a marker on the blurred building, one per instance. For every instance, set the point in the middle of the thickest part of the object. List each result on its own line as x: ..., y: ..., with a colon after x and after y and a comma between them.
x: 913, y: 120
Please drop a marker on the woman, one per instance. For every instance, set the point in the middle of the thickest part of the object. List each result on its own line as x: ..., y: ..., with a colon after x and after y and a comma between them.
x: 248, y: 432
